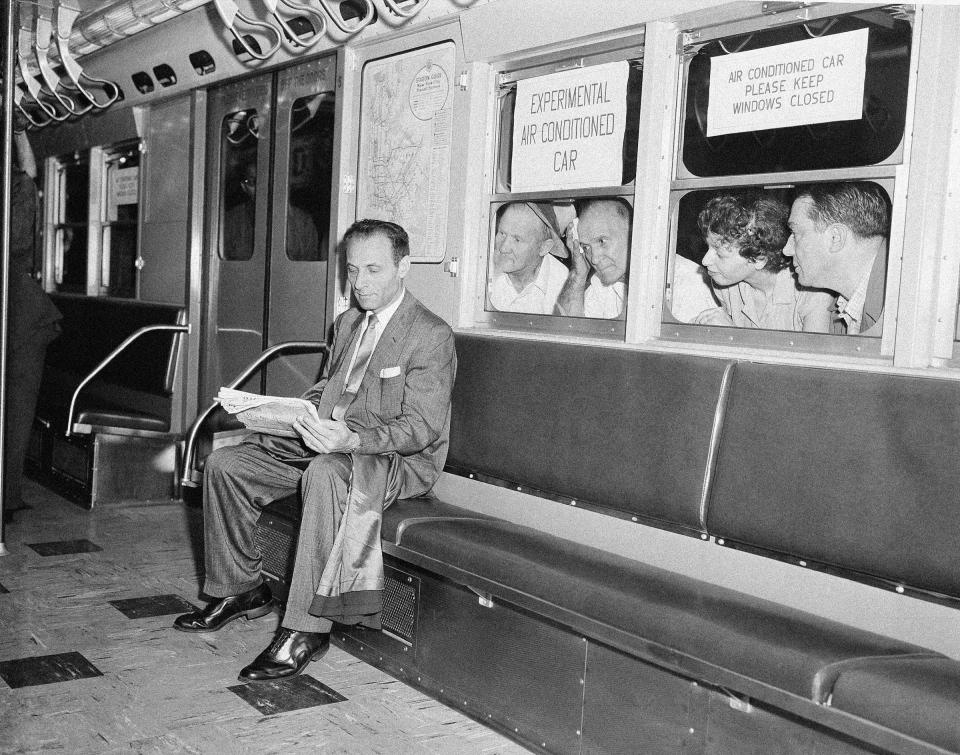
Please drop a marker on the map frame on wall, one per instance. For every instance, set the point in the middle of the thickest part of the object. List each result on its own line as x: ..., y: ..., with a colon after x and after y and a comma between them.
x: 406, y: 134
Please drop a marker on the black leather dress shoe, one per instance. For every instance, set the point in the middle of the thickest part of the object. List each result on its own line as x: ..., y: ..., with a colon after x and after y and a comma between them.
x: 251, y: 604
x: 287, y: 655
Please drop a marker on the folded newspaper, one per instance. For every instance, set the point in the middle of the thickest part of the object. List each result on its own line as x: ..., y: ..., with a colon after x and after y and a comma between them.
x: 273, y: 415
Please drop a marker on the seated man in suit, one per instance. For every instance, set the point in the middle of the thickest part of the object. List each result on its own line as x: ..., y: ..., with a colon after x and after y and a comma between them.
x: 384, y: 397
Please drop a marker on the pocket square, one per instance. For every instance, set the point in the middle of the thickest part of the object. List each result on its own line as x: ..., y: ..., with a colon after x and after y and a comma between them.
x: 389, y: 372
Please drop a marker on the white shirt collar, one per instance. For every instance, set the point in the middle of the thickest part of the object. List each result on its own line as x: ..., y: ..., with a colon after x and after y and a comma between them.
x: 384, y: 315
x: 851, y: 310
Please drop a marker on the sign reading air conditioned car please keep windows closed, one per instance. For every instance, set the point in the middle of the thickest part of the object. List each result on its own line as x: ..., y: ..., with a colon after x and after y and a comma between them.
x: 795, y: 84
x: 568, y: 129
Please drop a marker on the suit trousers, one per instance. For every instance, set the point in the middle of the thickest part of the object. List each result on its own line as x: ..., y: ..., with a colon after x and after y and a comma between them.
x: 238, y: 482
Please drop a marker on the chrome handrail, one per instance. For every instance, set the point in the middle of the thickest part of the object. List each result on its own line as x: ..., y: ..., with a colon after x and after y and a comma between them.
x: 110, y: 357
x: 186, y: 469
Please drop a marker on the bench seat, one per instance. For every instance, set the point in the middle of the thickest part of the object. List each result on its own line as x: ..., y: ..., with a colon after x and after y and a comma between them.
x: 676, y: 621
x: 918, y: 696
x: 554, y: 641
x: 122, y: 442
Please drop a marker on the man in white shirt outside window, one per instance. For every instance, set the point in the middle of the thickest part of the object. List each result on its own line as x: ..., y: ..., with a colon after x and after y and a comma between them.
x: 600, y: 248
x: 838, y: 241
x: 527, y: 276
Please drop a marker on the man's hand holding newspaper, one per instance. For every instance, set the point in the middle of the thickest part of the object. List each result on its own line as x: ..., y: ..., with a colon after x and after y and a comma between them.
x: 273, y: 415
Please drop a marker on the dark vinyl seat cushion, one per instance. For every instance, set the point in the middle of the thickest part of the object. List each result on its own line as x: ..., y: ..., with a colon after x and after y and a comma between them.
x: 855, y: 470
x: 407, y: 511
x: 917, y: 696
x: 122, y: 418
x: 550, y: 415
x: 789, y: 649
x: 396, y: 517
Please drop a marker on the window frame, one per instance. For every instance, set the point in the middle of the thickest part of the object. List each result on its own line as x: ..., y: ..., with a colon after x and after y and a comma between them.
x: 56, y: 171
x: 111, y: 156
x: 96, y: 223
x: 629, y: 47
x: 892, y: 173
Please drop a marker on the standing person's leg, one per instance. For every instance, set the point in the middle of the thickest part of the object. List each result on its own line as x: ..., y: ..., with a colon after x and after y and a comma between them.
x: 238, y: 481
x: 25, y: 369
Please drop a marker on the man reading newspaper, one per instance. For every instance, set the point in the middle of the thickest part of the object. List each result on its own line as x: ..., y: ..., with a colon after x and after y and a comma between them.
x: 376, y: 428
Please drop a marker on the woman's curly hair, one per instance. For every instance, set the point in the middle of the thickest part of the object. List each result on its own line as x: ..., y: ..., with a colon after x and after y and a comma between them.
x: 755, y: 223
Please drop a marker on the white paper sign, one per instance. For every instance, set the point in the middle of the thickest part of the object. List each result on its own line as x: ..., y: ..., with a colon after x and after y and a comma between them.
x: 568, y: 129
x: 813, y: 81
x: 126, y: 183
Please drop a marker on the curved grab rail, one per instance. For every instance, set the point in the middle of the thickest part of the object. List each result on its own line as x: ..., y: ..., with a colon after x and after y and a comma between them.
x: 229, y: 13
x: 186, y: 468
x: 341, y: 23
x: 41, y: 50
x: 65, y: 14
x: 18, y: 101
x: 29, y: 76
x: 405, y: 14
x: 110, y: 357
x: 292, y: 38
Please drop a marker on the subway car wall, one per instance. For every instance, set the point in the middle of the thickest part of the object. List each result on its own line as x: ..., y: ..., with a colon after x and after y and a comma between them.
x: 658, y: 230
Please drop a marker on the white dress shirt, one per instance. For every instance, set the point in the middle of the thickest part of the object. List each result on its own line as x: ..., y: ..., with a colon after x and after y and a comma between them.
x: 538, y: 297
x: 383, y: 317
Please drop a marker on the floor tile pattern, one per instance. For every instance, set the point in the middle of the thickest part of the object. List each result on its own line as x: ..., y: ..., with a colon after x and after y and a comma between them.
x: 152, y: 605
x: 46, y: 669
x: 164, y: 691
x: 288, y: 694
x: 65, y: 547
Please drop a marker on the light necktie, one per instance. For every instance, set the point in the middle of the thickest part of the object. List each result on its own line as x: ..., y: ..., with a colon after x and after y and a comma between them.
x: 357, y: 371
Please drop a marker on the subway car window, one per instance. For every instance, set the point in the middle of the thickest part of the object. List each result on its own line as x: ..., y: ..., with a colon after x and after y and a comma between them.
x: 238, y: 184
x: 119, y: 247
x: 810, y: 258
x: 777, y: 81
x: 556, y: 119
x: 560, y: 258
x: 70, y: 231
x: 311, y: 160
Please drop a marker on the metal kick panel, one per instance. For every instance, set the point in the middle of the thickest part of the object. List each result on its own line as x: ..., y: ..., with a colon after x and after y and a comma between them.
x: 630, y: 706
x: 72, y: 460
x: 522, y: 669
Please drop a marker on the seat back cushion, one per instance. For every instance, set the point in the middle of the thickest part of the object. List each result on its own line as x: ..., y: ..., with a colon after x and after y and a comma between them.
x: 93, y: 326
x: 623, y: 430
x: 854, y: 470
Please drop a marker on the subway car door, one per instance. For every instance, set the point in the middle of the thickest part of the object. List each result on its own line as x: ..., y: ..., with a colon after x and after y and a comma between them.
x: 300, y: 228
x: 268, y: 218
x: 238, y: 194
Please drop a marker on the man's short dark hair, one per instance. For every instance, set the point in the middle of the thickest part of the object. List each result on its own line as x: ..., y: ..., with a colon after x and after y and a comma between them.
x: 756, y: 223
x: 364, y: 229
x: 862, y: 206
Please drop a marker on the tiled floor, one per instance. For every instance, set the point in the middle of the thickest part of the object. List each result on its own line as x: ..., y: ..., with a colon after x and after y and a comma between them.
x: 89, y: 662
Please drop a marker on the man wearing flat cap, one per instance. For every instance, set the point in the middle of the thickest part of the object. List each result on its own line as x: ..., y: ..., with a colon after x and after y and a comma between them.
x: 526, y: 276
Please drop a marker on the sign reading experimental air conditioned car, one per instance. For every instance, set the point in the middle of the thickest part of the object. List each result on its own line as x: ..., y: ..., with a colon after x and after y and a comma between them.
x: 795, y: 84
x: 568, y: 129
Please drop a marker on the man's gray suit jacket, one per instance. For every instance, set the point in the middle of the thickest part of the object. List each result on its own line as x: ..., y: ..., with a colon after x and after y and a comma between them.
x: 403, y: 402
